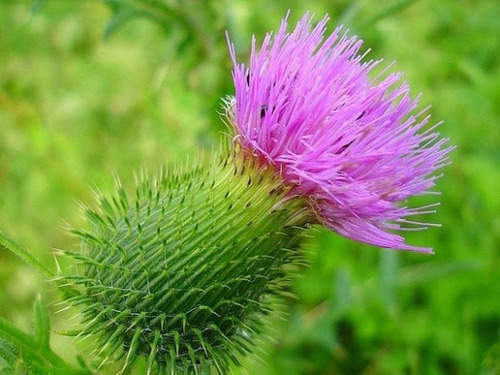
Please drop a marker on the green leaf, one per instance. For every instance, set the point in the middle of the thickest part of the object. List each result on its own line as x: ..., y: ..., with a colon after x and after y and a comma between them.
x: 342, y: 290
x: 388, y: 11
x: 8, y: 356
x: 159, y: 12
x: 118, y: 19
x: 389, y: 269
x: 24, y: 254
x: 42, y: 324
x: 432, y: 271
x: 37, y: 6
x: 22, y: 353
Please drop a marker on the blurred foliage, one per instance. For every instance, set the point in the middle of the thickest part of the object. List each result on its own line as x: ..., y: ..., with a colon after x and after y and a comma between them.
x: 89, y: 88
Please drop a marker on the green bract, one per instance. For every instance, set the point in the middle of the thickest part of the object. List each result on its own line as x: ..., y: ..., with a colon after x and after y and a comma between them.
x: 180, y: 273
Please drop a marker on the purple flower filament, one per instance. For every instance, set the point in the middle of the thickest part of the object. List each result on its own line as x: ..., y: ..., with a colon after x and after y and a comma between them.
x: 348, y: 142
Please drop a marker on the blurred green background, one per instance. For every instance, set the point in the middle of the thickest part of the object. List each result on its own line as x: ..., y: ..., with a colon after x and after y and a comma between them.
x: 90, y: 88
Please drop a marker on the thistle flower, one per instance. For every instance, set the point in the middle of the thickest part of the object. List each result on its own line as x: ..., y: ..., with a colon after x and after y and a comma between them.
x: 348, y: 142
x: 182, y: 272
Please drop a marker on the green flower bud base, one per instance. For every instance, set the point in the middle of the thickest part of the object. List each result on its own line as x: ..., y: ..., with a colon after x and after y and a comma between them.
x: 181, y: 273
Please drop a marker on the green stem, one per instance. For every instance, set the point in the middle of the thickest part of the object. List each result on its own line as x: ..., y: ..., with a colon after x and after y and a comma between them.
x: 25, y: 255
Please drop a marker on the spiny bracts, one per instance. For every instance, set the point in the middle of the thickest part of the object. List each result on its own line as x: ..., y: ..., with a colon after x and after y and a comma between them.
x: 181, y: 273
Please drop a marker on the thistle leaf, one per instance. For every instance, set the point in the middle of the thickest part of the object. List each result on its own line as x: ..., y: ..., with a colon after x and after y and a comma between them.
x: 125, y: 11
x: 42, y: 324
x: 24, y: 254
x: 26, y: 354
x: 8, y: 356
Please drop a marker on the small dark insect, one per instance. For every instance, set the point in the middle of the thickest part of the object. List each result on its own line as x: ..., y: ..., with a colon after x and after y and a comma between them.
x: 344, y: 147
x: 263, y: 111
x: 361, y: 115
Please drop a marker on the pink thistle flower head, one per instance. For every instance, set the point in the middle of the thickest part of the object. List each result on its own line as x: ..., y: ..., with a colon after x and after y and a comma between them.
x: 345, y: 138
